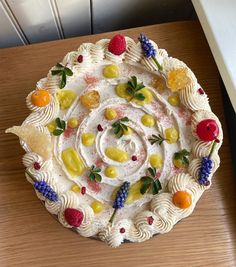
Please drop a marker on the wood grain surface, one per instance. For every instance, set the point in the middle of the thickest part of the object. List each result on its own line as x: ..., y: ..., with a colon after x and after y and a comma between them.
x: 29, y: 236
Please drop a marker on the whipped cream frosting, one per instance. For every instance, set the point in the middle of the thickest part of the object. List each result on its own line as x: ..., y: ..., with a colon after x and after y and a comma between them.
x: 133, y: 217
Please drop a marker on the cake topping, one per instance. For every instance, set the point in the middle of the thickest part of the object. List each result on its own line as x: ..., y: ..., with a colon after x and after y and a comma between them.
x: 72, y: 162
x: 73, y: 217
x: 88, y: 139
x: 66, y: 98
x: 174, y: 100
x: 134, y: 158
x: 119, y: 127
x: 182, y: 199
x: 117, y: 154
x: 178, y: 79
x: 80, y: 58
x: 111, y: 171
x: 149, y: 50
x: 117, y: 45
x: 110, y: 114
x: 148, y: 120
x: 43, y: 188
x: 171, y: 135
x: 121, y: 91
x: 150, y: 220
x: 133, y: 89
x: 83, y: 190
x: 90, y: 99
x: 62, y: 71
x: 122, y: 230
x: 149, y: 182
x: 40, y: 98
x: 156, y: 160
x: 73, y: 122
x: 60, y: 127
x: 75, y: 188
x: 201, y: 91
x: 180, y: 159
x: 94, y: 174
x: 121, y: 196
x: 207, y: 130
x: 97, y: 206
x: 156, y: 139
x: 36, y: 166
x: 111, y: 71
x: 99, y: 128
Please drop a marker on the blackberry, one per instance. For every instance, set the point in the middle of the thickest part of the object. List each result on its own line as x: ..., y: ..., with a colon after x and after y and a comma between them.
x: 120, y: 199
x: 205, y: 170
x: 43, y: 188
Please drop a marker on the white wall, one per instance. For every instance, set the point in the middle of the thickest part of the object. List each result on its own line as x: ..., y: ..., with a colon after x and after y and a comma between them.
x: 31, y: 21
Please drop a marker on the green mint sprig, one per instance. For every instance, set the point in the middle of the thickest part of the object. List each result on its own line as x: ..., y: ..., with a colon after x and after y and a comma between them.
x: 63, y: 71
x: 94, y: 174
x: 149, y: 182
x: 156, y: 139
x: 182, y: 155
x: 133, y: 89
x: 61, y: 126
x: 119, y: 127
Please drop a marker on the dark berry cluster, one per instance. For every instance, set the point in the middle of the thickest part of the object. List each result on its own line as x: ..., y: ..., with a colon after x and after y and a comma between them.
x: 121, y: 196
x: 43, y: 188
x: 148, y: 48
x: 205, y: 170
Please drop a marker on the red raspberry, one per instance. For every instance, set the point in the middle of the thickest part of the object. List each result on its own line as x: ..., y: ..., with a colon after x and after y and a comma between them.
x: 83, y: 190
x: 74, y: 217
x: 122, y: 230
x: 36, y: 166
x: 80, y: 59
x: 117, y: 45
x: 150, y: 220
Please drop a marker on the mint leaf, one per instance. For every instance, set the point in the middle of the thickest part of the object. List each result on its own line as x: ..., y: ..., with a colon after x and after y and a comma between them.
x: 63, y: 80
x: 156, y: 187
x: 139, y: 96
x: 124, y: 119
x: 55, y: 72
x: 58, y: 65
x: 98, y: 177
x: 152, y: 172
x: 68, y: 71
x: 57, y: 132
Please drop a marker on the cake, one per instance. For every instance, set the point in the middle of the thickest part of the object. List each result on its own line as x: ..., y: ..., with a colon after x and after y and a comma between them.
x: 121, y: 141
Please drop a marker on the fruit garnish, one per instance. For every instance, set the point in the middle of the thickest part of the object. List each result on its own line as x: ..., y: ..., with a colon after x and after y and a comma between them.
x: 128, y: 131
x: 62, y: 71
x: 134, y: 193
x: 73, y: 217
x: 83, y: 190
x: 88, y: 139
x: 149, y: 50
x: 99, y: 128
x: 174, y: 100
x: 121, y: 91
x: 111, y: 71
x: 171, y: 135
x: 111, y: 171
x: 75, y: 188
x: 159, y: 83
x: 94, y: 174
x: 72, y: 162
x: 150, y: 220
x: 36, y: 166
x: 122, y: 230
x: 201, y: 91
x: 97, y: 206
x: 90, y: 99
x: 156, y: 160
x: 148, y: 120
x: 73, y: 122
x: 117, y: 154
x: 178, y: 79
x: 117, y: 45
x: 156, y: 139
x: 207, y: 130
x: 149, y: 182
x: 51, y: 126
x: 80, y: 58
x: 148, y: 97
x: 133, y: 88
x: 182, y: 199
x: 180, y: 158
x: 39, y: 142
x: 110, y: 114
x: 40, y: 98
x: 119, y: 127
x: 60, y: 127
x: 66, y: 98
x: 121, y: 196
x: 134, y: 158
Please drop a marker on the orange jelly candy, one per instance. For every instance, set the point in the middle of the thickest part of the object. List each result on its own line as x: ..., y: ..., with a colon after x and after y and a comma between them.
x: 178, y: 79
x: 40, y: 98
x: 182, y: 199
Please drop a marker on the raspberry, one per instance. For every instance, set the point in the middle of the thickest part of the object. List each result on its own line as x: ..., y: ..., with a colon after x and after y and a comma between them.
x: 150, y: 220
x: 36, y: 166
x: 122, y: 230
x: 117, y: 45
x: 80, y: 59
x: 99, y: 128
x: 73, y: 217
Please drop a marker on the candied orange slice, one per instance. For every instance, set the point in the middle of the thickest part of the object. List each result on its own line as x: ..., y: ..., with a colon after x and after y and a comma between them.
x: 90, y: 99
x: 38, y: 142
x: 178, y: 79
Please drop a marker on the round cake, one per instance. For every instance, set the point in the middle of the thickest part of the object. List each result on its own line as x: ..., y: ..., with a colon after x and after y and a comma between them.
x: 121, y: 141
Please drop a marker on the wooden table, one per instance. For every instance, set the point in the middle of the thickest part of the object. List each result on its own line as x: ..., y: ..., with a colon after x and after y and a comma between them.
x: 29, y: 236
